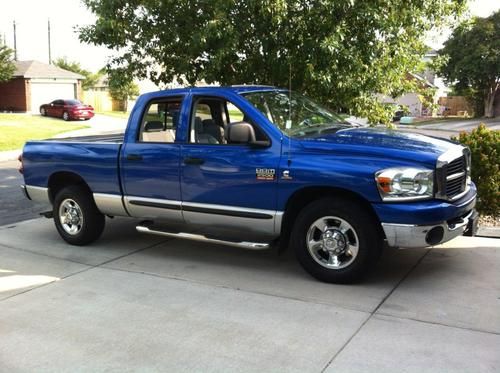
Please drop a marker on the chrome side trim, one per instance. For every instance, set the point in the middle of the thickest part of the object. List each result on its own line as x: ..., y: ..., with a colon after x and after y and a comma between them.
x: 39, y: 195
x: 229, y: 208
x: 261, y: 221
x: 153, y: 208
x: 110, y: 204
x: 254, y: 220
x: 201, y: 238
x: 414, y: 236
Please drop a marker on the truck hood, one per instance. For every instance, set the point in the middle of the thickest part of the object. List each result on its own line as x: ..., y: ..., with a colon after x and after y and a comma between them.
x: 384, y: 143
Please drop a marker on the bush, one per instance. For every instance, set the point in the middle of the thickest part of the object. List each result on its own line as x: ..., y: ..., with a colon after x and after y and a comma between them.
x: 485, y: 151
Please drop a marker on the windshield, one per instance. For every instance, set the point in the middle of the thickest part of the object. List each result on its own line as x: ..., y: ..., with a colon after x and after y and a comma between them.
x: 307, y: 117
x: 73, y: 102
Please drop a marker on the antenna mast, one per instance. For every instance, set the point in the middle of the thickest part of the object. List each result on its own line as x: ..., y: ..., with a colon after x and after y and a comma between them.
x: 289, y: 121
x: 15, y: 41
x: 48, y: 34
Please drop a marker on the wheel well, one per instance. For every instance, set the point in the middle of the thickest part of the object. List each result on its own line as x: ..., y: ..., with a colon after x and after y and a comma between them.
x: 60, y: 180
x: 304, y: 196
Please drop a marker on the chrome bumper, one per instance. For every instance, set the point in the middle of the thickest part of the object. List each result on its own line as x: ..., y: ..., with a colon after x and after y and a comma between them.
x: 413, y: 236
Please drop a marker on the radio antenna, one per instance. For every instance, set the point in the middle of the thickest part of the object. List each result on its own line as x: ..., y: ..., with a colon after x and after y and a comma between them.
x: 289, y: 121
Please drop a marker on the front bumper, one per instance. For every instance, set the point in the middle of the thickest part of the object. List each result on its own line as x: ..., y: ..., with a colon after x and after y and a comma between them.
x: 410, y: 236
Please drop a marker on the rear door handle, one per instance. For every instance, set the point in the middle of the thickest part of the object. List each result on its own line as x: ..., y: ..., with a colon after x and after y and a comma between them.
x: 194, y: 161
x: 134, y: 157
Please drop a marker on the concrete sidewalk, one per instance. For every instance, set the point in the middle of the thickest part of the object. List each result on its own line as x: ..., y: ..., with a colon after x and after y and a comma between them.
x: 135, y: 302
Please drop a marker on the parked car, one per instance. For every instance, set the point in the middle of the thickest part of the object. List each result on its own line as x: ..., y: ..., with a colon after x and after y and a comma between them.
x: 67, y: 109
x: 276, y: 169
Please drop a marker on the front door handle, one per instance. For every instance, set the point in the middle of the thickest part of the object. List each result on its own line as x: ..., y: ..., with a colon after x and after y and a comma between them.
x: 194, y: 161
x: 134, y: 157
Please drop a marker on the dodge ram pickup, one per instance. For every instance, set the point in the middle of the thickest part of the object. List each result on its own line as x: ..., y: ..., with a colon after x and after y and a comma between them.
x: 255, y: 167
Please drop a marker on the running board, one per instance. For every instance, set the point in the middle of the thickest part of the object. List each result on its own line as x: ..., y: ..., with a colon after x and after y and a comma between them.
x: 201, y: 238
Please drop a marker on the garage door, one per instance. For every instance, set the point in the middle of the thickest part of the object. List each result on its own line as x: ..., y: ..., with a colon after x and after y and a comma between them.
x: 43, y: 93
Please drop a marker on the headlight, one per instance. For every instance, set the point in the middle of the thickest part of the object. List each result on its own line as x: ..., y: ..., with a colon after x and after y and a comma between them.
x: 397, y: 184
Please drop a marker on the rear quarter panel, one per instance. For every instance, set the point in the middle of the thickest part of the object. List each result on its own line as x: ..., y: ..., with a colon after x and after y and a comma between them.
x: 96, y: 163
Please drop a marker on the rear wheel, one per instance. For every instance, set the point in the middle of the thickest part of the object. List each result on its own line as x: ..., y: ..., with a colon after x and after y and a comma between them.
x: 336, y: 240
x: 66, y: 116
x: 76, y: 216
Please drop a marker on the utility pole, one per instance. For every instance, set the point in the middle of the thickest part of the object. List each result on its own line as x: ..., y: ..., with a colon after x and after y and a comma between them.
x: 48, y: 30
x: 15, y: 42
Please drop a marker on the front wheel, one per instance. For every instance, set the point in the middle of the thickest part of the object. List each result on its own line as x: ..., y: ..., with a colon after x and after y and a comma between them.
x: 336, y: 240
x: 76, y: 216
x: 66, y: 116
x: 43, y: 112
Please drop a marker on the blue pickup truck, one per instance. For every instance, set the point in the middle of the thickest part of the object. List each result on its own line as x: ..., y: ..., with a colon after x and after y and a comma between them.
x: 255, y: 167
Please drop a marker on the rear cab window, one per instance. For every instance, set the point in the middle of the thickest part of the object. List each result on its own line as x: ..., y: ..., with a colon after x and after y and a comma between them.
x: 160, y: 121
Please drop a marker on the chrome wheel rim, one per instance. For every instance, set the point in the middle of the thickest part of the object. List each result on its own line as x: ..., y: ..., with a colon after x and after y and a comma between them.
x: 65, y: 116
x: 332, y: 242
x: 42, y: 111
x: 70, y: 216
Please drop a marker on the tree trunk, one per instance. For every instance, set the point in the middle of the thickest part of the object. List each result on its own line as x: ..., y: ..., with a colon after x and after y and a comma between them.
x: 489, y: 100
x: 489, y: 111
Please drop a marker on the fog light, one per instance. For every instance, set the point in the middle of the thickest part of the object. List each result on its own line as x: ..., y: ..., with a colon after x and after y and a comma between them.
x: 434, y: 236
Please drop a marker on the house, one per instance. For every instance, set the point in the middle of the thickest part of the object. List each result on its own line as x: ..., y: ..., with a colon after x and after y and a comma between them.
x: 35, y: 83
x: 412, y: 100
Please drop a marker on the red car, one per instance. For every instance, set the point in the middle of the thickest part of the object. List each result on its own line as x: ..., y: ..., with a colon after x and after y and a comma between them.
x: 67, y: 110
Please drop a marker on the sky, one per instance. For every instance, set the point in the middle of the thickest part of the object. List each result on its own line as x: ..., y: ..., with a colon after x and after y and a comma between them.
x: 31, y: 18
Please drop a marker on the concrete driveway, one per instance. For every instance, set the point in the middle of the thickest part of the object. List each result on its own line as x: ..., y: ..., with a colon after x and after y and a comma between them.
x: 134, y: 302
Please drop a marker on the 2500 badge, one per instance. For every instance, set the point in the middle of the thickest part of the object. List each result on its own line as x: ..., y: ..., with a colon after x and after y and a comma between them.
x: 265, y: 173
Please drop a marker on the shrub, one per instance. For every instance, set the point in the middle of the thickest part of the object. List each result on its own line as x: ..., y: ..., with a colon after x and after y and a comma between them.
x: 485, y: 151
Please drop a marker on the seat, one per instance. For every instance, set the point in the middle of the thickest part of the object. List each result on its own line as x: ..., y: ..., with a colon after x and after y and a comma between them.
x: 200, y: 136
x: 212, y: 129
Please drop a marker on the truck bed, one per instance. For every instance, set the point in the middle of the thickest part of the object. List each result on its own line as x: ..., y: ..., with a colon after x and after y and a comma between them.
x: 116, y: 138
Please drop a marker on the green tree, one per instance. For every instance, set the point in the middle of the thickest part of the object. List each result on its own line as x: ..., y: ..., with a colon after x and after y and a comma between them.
x: 7, y: 66
x: 473, y: 60
x: 90, y: 78
x: 340, y: 52
x: 122, y: 86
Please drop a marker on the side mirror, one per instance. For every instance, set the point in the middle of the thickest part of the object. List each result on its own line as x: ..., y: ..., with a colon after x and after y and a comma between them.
x: 153, y: 126
x: 241, y: 133
x: 260, y: 144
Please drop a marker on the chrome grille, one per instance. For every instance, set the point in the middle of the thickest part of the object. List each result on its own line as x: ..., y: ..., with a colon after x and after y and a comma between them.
x: 456, y: 177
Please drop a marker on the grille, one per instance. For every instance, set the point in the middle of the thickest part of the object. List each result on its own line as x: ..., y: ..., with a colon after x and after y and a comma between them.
x: 456, y: 177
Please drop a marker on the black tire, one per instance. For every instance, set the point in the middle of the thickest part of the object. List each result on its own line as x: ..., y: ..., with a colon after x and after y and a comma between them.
x: 363, y: 233
x: 66, y: 116
x: 91, y: 224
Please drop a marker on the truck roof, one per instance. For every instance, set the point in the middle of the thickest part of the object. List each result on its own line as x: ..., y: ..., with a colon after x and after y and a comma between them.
x: 233, y: 88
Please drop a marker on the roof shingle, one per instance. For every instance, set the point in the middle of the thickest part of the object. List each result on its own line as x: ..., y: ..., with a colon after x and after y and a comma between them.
x: 35, y: 69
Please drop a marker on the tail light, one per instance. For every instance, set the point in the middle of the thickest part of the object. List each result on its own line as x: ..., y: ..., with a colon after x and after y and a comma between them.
x: 21, y: 167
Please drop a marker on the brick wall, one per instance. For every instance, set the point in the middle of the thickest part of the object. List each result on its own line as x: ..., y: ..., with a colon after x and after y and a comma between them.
x: 13, y: 95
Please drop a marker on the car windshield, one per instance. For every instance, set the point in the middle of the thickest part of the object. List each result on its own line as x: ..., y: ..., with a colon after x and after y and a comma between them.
x: 73, y: 102
x: 306, y: 118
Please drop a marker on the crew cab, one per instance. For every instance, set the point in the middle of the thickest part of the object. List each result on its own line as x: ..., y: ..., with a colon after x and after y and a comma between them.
x: 255, y: 167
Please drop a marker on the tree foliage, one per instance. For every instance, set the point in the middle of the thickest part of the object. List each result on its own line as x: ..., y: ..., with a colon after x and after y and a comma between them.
x: 122, y: 86
x: 473, y: 59
x: 90, y: 78
x: 484, y: 144
x: 7, y: 66
x: 338, y: 51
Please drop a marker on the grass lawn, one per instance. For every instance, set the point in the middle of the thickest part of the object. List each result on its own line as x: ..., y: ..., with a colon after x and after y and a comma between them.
x: 116, y: 114
x: 16, y: 129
